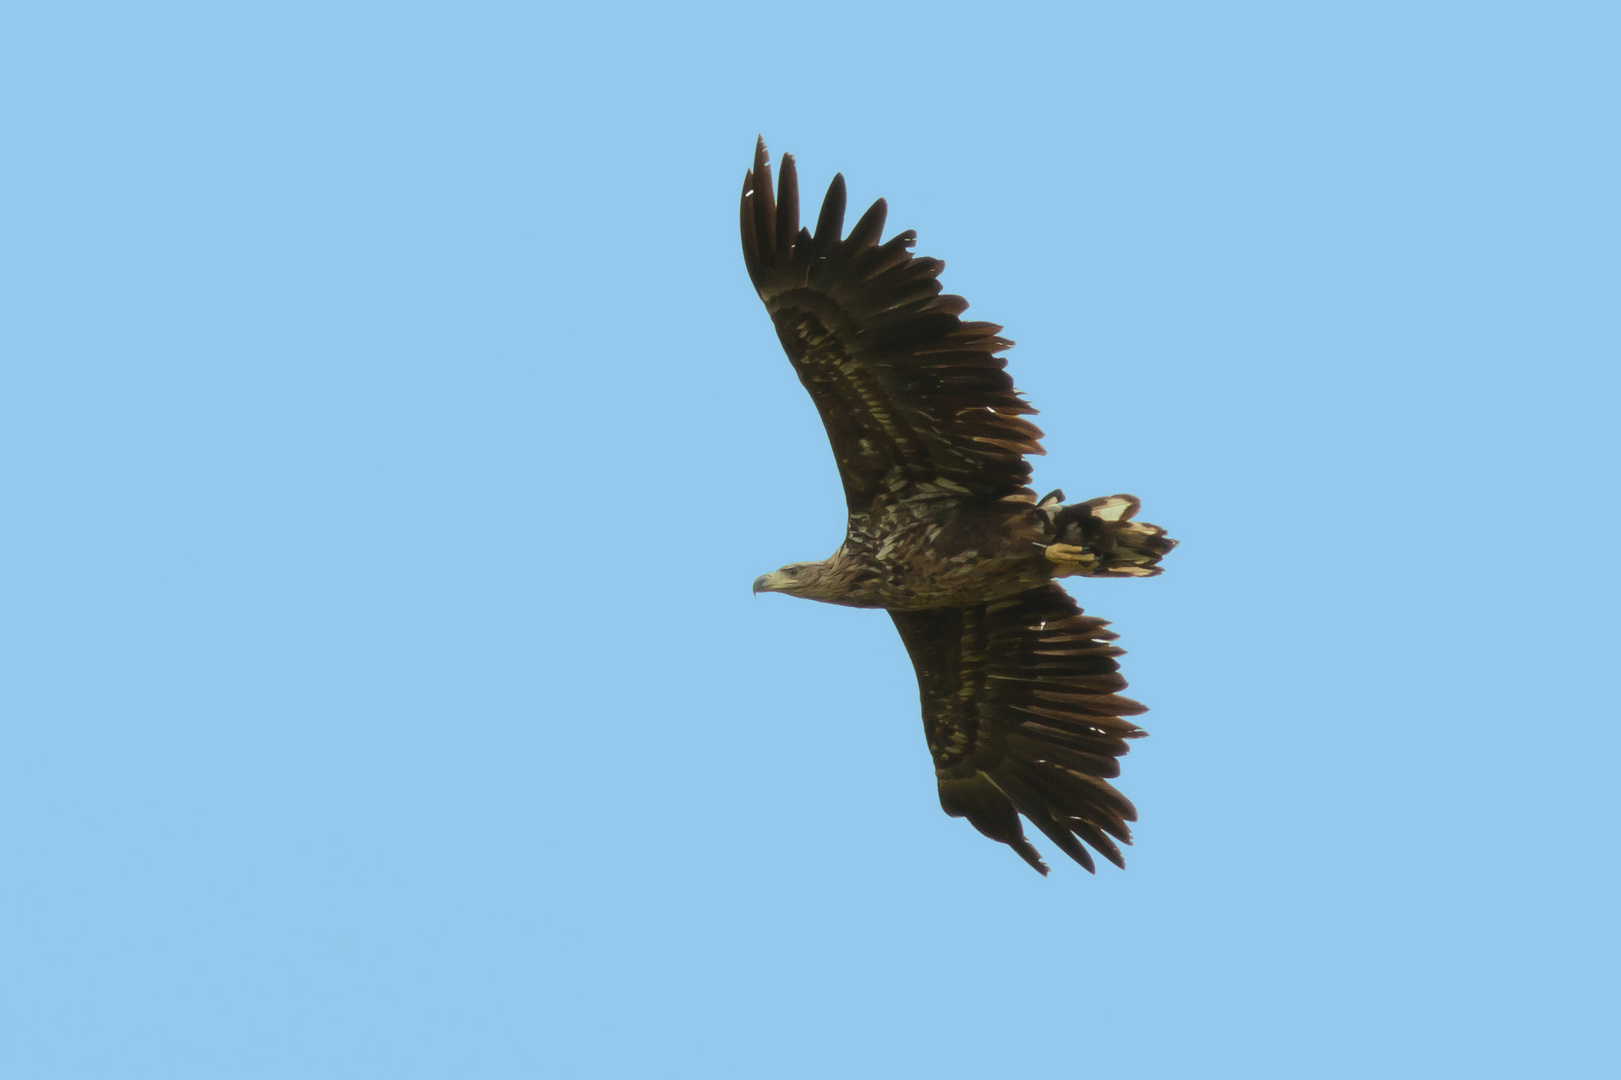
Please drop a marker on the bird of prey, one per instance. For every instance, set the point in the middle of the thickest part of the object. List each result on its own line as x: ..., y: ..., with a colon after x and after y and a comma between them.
x: 1020, y: 688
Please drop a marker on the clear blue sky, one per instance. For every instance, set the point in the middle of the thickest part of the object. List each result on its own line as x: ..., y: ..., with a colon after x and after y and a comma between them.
x: 389, y: 436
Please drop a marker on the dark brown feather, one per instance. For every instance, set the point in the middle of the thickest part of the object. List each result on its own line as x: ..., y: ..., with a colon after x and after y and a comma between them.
x: 1021, y: 717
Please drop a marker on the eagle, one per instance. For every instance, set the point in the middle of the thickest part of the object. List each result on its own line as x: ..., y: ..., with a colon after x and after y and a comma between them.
x: 1020, y: 688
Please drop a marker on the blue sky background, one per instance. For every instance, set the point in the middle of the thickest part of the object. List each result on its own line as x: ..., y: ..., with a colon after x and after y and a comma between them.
x: 389, y: 437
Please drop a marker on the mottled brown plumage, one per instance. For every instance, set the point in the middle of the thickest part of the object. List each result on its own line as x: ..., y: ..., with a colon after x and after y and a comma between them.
x: 1019, y: 688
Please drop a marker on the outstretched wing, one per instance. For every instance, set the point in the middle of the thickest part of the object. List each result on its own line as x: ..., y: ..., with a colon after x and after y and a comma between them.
x: 1022, y: 714
x: 914, y: 399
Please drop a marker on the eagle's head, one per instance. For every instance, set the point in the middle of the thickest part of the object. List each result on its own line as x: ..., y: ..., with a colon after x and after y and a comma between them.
x: 795, y: 579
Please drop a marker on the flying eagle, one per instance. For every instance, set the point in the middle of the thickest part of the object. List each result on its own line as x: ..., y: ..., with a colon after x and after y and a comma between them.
x: 1020, y: 688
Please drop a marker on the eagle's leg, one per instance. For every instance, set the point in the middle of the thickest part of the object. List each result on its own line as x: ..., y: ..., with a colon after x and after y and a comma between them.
x: 1097, y: 538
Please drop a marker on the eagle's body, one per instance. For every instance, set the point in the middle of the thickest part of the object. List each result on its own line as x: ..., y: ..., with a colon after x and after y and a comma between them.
x: 1018, y: 686
x: 913, y: 555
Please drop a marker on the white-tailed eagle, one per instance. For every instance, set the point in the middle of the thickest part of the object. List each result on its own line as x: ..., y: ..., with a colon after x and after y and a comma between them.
x: 1020, y: 689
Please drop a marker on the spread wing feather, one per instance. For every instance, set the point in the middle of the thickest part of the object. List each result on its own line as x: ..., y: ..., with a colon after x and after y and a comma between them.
x: 1023, y: 715
x: 915, y: 400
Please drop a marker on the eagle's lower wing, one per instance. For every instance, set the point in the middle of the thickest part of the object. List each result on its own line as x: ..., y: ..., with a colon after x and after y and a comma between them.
x: 1022, y: 717
x: 914, y: 399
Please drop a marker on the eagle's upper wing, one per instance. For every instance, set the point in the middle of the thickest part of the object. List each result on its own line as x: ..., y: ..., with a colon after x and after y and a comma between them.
x: 914, y: 399
x: 1022, y: 717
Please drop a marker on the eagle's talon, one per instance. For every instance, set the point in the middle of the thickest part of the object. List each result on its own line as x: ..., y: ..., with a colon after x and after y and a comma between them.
x: 1070, y: 555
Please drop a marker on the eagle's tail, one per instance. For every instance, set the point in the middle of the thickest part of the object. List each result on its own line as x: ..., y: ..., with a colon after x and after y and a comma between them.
x: 1097, y: 538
